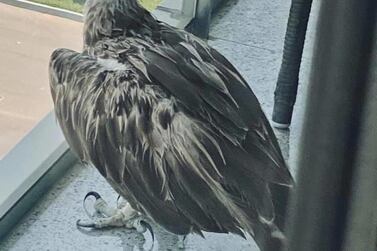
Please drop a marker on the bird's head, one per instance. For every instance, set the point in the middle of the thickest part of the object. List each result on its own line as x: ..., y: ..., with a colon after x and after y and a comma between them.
x: 109, y: 18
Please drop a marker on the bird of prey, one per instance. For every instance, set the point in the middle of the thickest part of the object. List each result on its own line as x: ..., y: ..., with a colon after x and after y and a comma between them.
x: 172, y: 126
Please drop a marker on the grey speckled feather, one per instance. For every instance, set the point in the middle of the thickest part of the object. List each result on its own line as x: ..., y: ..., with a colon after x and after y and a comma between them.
x: 170, y: 123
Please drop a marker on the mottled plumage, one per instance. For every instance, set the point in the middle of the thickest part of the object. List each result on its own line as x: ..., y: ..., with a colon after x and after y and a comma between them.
x: 171, y: 124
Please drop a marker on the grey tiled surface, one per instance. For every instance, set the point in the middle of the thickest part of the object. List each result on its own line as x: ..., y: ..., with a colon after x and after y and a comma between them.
x: 52, y: 224
x: 250, y: 33
x: 256, y: 23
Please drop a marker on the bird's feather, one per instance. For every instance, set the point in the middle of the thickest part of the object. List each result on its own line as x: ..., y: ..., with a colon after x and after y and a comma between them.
x: 174, y: 128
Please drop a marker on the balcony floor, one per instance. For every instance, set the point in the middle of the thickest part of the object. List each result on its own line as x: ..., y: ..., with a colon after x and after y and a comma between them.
x: 250, y: 34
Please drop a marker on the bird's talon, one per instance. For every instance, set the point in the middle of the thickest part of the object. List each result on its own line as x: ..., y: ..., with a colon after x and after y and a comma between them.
x: 149, y: 228
x: 80, y: 223
x: 101, y: 208
x: 96, y: 196
x: 125, y: 216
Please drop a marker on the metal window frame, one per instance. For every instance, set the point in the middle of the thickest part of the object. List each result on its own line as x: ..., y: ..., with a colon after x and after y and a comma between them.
x: 177, y: 13
x: 31, y: 167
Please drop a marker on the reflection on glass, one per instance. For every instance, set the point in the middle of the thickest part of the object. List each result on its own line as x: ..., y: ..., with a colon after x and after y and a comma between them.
x: 27, y: 40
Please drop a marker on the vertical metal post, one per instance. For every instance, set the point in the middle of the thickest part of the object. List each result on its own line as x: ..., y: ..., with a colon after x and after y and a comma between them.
x: 287, y: 83
x: 199, y: 26
x: 331, y: 139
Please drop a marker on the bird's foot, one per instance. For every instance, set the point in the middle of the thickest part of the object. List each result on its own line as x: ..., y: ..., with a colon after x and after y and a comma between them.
x: 122, y: 216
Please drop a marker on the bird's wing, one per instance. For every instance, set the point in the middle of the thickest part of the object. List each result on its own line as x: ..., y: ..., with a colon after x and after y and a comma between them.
x: 69, y: 73
x: 175, y: 126
x: 207, y: 84
x: 234, y: 130
x: 102, y: 108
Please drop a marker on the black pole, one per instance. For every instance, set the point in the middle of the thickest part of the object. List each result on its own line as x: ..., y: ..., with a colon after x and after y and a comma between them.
x: 287, y: 83
x: 328, y: 161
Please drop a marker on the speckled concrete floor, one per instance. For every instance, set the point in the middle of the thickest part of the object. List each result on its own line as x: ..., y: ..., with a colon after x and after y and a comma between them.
x: 250, y: 33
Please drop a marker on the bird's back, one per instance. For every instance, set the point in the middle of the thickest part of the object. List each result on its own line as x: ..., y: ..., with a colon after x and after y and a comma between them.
x: 176, y: 130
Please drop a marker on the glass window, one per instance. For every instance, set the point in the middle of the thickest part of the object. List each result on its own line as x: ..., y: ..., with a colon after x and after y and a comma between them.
x: 27, y: 40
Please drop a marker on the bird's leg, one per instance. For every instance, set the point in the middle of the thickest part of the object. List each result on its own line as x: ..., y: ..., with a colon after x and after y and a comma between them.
x: 123, y: 216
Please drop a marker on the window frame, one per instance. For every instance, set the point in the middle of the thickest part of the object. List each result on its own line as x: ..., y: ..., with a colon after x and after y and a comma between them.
x: 26, y: 170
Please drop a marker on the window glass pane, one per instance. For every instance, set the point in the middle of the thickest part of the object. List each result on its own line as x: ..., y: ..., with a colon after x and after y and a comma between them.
x: 27, y: 40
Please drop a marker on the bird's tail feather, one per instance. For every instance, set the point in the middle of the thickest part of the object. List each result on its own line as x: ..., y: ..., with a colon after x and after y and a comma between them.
x: 269, y: 237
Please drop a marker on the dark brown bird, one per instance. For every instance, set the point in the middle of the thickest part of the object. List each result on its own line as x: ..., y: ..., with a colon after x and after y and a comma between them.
x: 171, y: 125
